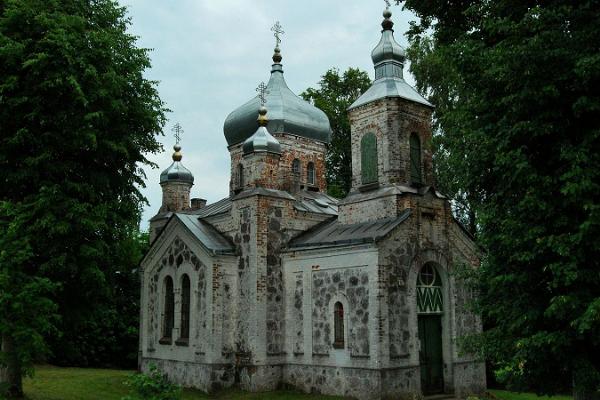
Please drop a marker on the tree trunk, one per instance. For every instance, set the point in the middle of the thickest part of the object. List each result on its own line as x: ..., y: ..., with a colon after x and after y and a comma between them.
x: 11, y: 374
x: 584, y: 387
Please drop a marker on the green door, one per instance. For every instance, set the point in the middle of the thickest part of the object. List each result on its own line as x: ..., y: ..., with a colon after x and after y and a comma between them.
x: 430, y: 357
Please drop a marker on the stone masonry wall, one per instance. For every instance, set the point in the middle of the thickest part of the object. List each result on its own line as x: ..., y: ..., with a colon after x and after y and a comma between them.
x: 352, y: 285
x: 277, y: 173
x: 392, y: 121
x: 175, y: 196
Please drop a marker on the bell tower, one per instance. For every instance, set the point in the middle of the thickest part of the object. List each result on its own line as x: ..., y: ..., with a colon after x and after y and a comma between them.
x: 390, y: 137
x: 390, y: 123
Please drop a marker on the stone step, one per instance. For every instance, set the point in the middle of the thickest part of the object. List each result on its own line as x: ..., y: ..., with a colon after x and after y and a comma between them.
x: 441, y: 396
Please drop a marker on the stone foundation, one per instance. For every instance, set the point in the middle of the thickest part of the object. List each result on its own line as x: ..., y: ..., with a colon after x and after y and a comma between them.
x: 206, y: 377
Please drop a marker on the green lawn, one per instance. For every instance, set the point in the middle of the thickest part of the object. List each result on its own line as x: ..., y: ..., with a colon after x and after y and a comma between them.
x: 505, y: 395
x: 54, y: 383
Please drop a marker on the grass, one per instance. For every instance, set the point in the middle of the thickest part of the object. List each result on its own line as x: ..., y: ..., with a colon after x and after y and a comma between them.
x: 506, y: 395
x: 55, y: 383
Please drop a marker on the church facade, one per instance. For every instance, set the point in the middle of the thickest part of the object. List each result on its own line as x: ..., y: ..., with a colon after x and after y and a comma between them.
x: 281, y: 284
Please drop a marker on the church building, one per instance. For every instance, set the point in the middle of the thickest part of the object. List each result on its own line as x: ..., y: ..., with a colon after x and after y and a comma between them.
x: 280, y: 284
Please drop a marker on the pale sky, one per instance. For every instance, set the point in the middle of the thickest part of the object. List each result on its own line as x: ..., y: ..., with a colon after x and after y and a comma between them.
x: 210, y: 55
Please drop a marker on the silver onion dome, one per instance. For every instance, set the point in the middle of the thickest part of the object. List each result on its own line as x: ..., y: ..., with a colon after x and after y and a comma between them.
x: 177, y: 172
x: 262, y: 140
x: 287, y: 113
x: 388, y: 58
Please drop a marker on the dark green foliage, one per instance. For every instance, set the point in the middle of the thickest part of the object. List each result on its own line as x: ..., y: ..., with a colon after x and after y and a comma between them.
x: 335, y: 94
x: 153, y: 386
x: 76, y: 120
x: 516, y: 85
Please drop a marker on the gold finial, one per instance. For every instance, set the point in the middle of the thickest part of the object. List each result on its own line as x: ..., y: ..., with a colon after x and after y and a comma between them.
x: 277, y: 30
x: 178, y: 130
x: 262, y: 116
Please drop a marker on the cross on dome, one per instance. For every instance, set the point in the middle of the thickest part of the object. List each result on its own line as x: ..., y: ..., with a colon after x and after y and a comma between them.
x: 178, y: 130
x: 277, y: 30
x: 262, y: 93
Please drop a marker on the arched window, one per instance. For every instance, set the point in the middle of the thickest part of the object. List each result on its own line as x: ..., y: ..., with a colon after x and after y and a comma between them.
x: 240, y: 173
x: 296, y: 167
x: 169, y: 310
x: 368, y: 158
x: 185, y: 308
x: 415, y: 159
x: 310, y: 173
x: 338, y: 325
x: 429, y: 290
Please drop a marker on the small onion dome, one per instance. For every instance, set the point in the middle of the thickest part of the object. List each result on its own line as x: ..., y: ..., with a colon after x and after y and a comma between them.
x: 262, y: 140
x: 388, y: 50
x: 388, y: 57
x: 177, y: 172
x: 287, y: 113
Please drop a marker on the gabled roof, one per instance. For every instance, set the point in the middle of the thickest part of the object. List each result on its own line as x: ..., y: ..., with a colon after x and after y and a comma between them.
x: 306, y: 201
x: 206, y: 234
x: 334, y: 233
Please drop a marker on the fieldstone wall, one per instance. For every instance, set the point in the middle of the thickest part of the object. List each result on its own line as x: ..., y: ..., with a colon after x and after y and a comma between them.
x: 359, y: 383
x: 351, y: 286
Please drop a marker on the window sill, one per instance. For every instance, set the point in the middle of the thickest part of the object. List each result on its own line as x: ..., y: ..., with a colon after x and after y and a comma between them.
x: 165, y: 340
x: 368, y: 186
x: 182, y: 342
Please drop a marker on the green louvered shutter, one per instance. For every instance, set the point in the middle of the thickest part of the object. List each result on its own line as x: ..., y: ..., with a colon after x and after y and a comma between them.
x: 415, y: 159
x: 368, y: 158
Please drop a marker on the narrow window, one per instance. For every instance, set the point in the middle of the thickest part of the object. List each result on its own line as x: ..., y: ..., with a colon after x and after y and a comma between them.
x: 296, y: 167
x: 240, y: 176
x: 185, y: 309
x: 310, y: 173
x: 169, y: 310
x: 338, y: 325
x: 368, y: 158
x: 415, y: 159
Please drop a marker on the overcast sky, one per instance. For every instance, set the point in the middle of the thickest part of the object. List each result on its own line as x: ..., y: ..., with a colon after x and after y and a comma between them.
x: 209, y: 56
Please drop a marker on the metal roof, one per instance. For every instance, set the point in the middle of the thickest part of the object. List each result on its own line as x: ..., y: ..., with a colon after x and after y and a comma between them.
x: 287, y: 113
x: 220, y: 207
x: 316, y: 202
x: 177, y: 173
x: 206, y: 234
x: 388, y: 57
x: 334, y: 233
x: 389, y: 87
x: 261, y: 142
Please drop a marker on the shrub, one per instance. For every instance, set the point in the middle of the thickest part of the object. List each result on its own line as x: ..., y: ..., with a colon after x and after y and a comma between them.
x: 153, y: 386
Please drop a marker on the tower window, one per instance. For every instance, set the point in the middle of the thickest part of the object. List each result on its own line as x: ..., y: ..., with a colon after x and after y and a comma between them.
x: 296, y: 167
x: 169, y: 311
x: 240, y: 176
x: 368, y: 158
x: 415, y: 159
x: 185, y: 309
x: 338, y: 325
x: 310, y: 173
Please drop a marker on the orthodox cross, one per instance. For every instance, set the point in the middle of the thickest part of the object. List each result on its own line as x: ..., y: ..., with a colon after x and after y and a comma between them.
x: 388, y: 4
x: 178, y: 131
x: 277, y: 30
x: 262, y: 93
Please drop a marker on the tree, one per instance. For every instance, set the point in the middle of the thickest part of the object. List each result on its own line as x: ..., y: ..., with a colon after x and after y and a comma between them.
x: 77, y: 117
x: 334, y: 95
x: 517, y: 90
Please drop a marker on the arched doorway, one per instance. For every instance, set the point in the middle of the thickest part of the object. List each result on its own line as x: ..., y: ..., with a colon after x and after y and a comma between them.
x: 430, y: 308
